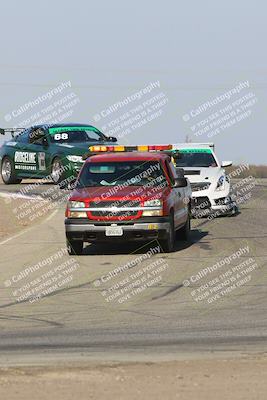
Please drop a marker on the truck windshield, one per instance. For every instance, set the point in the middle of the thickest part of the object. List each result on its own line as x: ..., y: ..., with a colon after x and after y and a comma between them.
x: 198, y: 159
x: 130, y: 173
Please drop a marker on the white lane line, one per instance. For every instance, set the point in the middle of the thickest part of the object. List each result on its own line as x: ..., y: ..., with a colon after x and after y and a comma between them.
x: 15, y: 236
x: 51, y: 215
x: 29, y: 229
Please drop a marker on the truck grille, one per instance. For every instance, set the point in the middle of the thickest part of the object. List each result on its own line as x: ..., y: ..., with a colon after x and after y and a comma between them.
x: 199, y: 186
x: 113, y: 214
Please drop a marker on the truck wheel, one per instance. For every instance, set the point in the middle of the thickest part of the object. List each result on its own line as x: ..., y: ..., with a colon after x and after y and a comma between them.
x: 167, y: 244
x: 8, y: 172
x: 75, y: 247
x: 184, y: 232
x: 56, y: 170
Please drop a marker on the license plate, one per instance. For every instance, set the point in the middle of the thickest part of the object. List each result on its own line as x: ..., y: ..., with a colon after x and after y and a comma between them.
x: 114, y: 231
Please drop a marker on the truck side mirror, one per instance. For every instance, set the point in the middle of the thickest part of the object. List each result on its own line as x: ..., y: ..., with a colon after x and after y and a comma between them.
x: 180, y: 182
x: 180, y: 172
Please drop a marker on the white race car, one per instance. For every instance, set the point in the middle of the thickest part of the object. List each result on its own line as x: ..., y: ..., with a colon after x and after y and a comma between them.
x: 211, y: 190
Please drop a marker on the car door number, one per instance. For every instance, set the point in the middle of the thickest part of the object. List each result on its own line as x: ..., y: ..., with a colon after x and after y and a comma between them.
x: 61, y: 136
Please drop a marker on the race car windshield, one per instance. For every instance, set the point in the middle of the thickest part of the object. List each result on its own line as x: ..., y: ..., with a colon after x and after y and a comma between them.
x: 75, y: 135
x: 198, y: 159
x: 132, y: 173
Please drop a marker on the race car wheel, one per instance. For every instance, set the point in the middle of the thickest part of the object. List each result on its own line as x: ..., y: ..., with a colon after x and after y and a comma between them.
x: 234, y: 211
x: 167, y: 244
x: 75, y: 247
x: 184, y: 232
x: 56, y: 170
x: 8, y: 172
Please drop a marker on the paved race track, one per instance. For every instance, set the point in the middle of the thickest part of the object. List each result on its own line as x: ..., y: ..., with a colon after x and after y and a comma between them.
x: 162, y: 317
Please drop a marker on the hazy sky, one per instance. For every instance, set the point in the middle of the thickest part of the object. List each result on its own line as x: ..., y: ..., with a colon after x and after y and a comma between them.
x: 109, y: 50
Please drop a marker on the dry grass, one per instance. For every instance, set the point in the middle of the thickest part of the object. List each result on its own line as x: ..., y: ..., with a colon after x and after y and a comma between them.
x: 258, y: 171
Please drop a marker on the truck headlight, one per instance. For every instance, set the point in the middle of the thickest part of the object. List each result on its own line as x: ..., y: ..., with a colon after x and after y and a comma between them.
x: 75, y: 214
x: 153, y: 213
x: 220, y: 183
x: 75, y: 159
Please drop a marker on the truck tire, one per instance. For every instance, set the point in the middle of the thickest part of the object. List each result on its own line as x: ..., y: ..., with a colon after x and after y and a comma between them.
x: 8, y: 172
x: 167, y: 244
x: 184, y: 232
x: 75, y: 247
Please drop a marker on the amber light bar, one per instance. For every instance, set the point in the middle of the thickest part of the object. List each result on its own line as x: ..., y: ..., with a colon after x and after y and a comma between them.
x: 160, y: 147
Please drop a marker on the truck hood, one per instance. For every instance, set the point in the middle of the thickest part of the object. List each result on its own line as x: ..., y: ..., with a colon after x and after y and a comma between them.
x: 197, y: 174
x: 116, y: 193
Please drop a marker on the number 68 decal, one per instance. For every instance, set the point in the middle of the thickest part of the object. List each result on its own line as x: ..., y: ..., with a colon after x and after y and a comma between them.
x: 63, y: 136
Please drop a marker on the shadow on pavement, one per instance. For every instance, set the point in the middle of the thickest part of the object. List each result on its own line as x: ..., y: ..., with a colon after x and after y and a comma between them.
x: 114, y: 248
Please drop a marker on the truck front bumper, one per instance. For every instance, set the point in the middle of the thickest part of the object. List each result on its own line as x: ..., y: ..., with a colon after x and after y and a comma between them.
x: 92, y: 231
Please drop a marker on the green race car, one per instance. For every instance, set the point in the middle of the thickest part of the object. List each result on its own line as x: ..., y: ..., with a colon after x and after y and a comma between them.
x: 48, y: 151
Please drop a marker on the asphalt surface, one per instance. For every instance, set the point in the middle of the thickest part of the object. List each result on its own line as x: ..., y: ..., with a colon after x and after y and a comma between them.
x: 162, y: 320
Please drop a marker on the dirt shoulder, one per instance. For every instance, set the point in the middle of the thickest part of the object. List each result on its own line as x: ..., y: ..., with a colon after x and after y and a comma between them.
x: 9, y: 224
x: 235, y: 379
x: 19, y: 214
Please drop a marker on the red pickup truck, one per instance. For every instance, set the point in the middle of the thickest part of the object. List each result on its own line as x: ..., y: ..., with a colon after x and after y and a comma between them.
x: 128, y: 196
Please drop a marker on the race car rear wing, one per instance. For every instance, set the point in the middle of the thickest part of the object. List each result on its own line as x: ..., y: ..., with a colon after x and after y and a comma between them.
x: 14, y: 131
x: 193, y: 145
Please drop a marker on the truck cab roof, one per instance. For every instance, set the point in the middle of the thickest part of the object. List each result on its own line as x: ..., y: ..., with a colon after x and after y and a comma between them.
x: 128, y: 156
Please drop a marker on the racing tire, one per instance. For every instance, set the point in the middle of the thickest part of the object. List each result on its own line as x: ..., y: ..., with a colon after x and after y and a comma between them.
x: 56, y: 171
x: 75, y: 247
x: 167, y: 245
x: 8, y: 172
x: 183, y: 233
x: 234, y: 211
